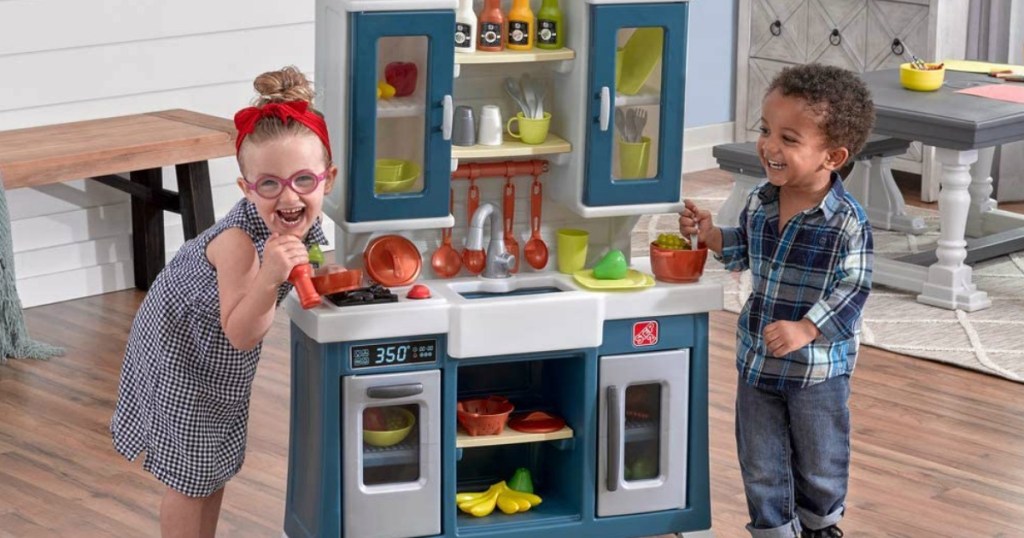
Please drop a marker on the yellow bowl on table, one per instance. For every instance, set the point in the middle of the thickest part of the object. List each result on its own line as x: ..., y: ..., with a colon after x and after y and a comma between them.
x: 922, y: 80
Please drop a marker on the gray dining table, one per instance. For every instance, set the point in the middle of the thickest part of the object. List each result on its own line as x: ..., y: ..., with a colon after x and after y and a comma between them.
x: 964, y: 129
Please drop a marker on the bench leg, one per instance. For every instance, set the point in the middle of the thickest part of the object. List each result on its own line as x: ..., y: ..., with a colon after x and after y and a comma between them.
x: 195, y: 197
x: 147, y: 230
x: 871, y: 182
x: 729, y: 213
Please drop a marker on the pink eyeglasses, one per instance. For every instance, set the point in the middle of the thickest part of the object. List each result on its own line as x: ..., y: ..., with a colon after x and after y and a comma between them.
x: 302, y: 182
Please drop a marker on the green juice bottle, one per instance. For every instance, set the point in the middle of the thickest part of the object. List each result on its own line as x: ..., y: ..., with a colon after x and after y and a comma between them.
x: 550, y: 30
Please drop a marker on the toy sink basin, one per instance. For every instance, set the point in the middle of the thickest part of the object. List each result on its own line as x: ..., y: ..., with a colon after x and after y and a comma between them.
x: 521, y: 314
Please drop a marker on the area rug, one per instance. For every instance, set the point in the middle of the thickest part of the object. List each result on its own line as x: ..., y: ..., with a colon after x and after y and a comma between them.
x: 989, y: 340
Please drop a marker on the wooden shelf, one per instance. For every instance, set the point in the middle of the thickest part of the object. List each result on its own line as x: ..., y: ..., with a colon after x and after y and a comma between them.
x: 513, y: 56
x: 512, y: 148
x: 400, y: 107
x: 649, y: 97
x: 508, y: 436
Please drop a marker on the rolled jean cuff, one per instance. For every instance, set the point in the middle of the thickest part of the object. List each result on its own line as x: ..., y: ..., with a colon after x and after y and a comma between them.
x: 789, y: 530
x: 814, y: 522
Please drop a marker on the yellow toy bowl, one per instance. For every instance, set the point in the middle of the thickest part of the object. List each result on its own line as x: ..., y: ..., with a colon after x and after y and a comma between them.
x: 389, y: 437
x: 922, y: 80
x: 395, y: 175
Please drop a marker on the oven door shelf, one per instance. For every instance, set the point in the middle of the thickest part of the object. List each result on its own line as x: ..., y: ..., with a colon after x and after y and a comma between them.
x: 404, y: 453
x: 641, y: 430
x: 509, y: 437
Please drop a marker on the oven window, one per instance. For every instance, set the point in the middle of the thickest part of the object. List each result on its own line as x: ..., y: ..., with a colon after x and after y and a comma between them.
x: 391, y: 444
x: 643, y: 432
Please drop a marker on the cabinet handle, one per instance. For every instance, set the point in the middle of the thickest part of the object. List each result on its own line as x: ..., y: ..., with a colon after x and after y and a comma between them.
x: 391, y: 392
x: 448, y: 111
x: 606, y: 102
x: 897, y: 47
x: 835, y: 37
x: 776, y: 28
x: 614, y: 439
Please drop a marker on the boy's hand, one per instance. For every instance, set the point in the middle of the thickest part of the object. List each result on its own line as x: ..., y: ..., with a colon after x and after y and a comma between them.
x: 783, y: 337
x: 694, y: 220
x: 280, y: 255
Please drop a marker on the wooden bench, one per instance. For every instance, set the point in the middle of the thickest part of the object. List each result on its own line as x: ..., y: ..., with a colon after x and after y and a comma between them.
x: 742, y: 160
x: 137, y: 145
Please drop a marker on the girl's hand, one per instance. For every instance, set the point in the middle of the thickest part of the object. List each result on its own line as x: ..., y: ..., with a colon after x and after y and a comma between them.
x: 784, y: 337
x: 280, y: 255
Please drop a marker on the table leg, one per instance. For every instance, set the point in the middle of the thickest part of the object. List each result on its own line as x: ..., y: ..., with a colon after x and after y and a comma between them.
x: 147, y: 230
x: 196, y: 200
x: 871, y: 182
x: 729, y: 213
x: 949, y: 283
x: 981, y: 192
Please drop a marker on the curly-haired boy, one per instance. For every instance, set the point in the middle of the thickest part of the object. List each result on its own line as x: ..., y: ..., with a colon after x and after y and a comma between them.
x: 808, y: 245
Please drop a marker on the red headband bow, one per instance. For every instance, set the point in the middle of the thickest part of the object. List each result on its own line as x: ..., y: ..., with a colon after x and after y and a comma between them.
x: 247, y: 118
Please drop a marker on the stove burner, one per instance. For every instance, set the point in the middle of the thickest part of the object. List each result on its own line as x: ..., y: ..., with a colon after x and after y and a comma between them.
x: 371, y: 295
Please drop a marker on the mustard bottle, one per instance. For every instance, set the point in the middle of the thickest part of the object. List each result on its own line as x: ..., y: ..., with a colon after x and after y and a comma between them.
x: 521, y: 25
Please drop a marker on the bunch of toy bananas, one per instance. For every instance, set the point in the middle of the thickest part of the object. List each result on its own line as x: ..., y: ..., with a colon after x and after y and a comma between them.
x: 506, y: 499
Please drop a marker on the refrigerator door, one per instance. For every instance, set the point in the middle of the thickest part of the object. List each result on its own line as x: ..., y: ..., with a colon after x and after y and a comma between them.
x: 391, y: 482
x: 642, y: 432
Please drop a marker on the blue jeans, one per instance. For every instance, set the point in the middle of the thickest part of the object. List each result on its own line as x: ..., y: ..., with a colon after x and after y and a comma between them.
x: 794, y: 452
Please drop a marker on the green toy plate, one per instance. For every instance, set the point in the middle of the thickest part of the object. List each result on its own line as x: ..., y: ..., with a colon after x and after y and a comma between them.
x: 634, y: 280
x: 639, y: 56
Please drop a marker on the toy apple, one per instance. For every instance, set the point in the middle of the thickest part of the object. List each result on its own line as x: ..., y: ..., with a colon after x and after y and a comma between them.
x: 401, y: 75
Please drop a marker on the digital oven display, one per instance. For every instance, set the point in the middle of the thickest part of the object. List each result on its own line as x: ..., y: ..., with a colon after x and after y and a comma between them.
x: 394, y: 354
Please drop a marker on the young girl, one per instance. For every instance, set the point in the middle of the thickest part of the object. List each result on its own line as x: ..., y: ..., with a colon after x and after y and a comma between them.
x: 194, y: 344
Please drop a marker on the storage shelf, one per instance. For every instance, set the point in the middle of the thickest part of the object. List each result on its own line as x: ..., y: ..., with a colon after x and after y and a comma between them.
x: 513, y: 148
x: 508, y: 436
x: 513, y: 56
x: 640, y: 99
x: 404, y: 453
x: 399, y: 107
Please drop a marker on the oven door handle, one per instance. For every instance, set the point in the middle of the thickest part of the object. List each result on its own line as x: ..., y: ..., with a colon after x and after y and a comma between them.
x: 614, y: 438
x: 391, y: 392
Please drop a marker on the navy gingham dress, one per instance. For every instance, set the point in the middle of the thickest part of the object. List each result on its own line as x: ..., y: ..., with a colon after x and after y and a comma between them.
x: 184, y: 391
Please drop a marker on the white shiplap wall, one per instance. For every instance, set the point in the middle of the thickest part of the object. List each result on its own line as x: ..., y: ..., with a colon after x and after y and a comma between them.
x: 70, y: 60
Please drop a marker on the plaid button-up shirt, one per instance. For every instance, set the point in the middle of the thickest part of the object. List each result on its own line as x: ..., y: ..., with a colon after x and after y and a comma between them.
x: 818, y: 268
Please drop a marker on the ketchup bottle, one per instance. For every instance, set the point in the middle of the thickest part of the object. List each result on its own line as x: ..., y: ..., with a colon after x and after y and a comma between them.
x: 492, y: 23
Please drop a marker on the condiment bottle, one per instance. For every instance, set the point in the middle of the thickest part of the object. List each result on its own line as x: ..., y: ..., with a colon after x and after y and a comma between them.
x: 521, y: 25
x: 550, y: 32
x: 492, y: 23
x: 465, y: 27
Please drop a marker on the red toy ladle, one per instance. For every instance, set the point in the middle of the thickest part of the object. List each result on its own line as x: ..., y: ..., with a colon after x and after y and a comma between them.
x: 446, y: 261
x: 536, y: 251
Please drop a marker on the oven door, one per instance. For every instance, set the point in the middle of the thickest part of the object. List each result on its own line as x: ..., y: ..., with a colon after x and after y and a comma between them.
x: 392, y: 478
x: 643, y: 421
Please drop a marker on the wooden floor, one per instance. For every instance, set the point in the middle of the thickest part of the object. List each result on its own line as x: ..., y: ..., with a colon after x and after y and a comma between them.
x: 938, y: 451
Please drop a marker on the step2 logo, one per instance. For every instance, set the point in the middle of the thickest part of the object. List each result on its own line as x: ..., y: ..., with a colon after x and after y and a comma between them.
x: 645, y: 333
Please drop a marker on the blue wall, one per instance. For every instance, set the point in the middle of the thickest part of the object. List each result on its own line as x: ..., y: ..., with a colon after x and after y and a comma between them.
x: 711, y: 62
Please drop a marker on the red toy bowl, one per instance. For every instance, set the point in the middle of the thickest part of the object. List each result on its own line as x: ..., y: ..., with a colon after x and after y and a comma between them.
x: 678, y: 265
x: 338, y: 281
x: 484, y: 416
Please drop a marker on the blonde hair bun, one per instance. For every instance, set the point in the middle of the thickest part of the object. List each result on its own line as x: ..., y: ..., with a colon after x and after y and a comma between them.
x: 287, y: 84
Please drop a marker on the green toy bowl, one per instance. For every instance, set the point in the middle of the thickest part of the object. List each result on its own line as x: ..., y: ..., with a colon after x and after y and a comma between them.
x: 395, y: 175
x: 384, y: 438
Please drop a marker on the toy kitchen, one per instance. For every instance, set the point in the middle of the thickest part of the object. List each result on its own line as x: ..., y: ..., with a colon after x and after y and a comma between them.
x: 500, y: 365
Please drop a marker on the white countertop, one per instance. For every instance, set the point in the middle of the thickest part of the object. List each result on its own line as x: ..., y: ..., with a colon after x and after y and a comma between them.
x: 572, y: 319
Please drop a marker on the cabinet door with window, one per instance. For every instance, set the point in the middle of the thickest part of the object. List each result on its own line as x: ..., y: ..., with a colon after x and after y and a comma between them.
x: 635, y: 111
x: 399, y: 134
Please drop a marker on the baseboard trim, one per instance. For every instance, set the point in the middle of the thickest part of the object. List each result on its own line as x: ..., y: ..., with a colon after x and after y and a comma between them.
x: 698, y: 143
